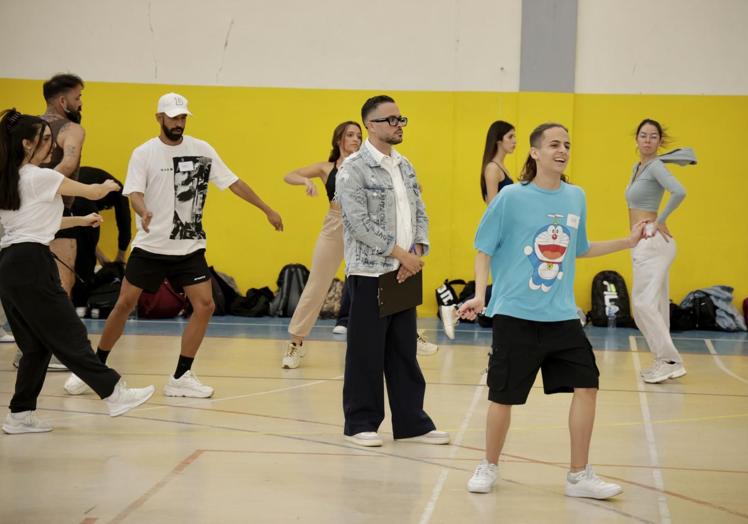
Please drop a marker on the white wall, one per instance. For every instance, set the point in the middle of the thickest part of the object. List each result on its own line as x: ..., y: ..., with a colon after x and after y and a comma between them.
x: 388, y: 44
x: 663, y: 47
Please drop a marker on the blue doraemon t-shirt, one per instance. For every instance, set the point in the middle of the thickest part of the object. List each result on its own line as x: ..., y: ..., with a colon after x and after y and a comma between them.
x: 534, y: 236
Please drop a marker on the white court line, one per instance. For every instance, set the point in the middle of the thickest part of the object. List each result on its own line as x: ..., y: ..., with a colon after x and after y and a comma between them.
x: 720, y: 364
x: 436, y: 492
x: 651, y: 444
x: 194, y: 403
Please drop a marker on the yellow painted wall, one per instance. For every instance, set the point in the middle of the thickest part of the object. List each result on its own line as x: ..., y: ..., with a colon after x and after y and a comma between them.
x: 263, y: 133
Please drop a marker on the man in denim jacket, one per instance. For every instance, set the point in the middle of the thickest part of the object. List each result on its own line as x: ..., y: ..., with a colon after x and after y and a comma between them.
x: 385, y: 229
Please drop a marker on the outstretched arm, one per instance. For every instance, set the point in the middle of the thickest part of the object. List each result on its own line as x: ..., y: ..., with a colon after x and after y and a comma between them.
x: 611, y: 246
x: 243, y: 191
x: 304, y: 176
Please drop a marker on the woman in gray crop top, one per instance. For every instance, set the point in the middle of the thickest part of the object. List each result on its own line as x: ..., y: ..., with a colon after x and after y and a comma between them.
x: 654, y: 255
x: 328, y: 250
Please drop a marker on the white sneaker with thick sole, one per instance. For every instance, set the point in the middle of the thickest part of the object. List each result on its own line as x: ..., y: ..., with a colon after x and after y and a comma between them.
x: 365, y: 438
x: 483, y: 478
x: 24, y: 422
x: 123, y: 399
x: 75, y: 386
x: 432, y: 437
x: 588, y: 485
x: 424, y: 347
x: 340, y: 330
x: 449, y: 318
x: 188, y: 385
x: 6, y: 338
x: 293, y: 356
x: 664, y: 371
x: 648, y: 370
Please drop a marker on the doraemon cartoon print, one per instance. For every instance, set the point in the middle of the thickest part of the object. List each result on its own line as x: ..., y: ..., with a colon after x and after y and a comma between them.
x: 547, y: 253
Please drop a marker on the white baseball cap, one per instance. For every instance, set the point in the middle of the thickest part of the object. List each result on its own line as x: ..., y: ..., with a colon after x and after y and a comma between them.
x: 172, y: 104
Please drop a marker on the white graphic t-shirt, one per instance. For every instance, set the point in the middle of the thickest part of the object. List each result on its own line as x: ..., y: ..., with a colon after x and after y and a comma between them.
x: 174, y: 180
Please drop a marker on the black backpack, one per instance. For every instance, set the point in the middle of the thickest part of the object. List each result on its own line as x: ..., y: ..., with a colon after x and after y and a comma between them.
x: 256, y: 303
x: 609, y: 288
x: 291, y: 282
x: 446, y: 294
x: 681, y: 318
x: 704, y: 311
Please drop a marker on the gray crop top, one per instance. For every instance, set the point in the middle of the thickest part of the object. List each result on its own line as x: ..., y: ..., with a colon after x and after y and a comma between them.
x: 645, y: 191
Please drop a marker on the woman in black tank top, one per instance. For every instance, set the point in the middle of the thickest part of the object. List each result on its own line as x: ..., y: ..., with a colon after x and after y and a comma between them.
x: 328, y: 251
x: 500, y: 141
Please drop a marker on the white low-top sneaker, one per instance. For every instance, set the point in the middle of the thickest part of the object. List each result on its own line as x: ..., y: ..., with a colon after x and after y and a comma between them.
x: 424, y: 347
x: 663, y: 371
x: 449, y: 318
x: 188, y: 385
x: 293, y: 356
x: 432, y: 437
x: 24, y: 422
x: 588, y: 485
x: 483, y: 478
x: 339, y: 330
x: 123, y: 399
x: 365, y: 438
x: 75, y: 386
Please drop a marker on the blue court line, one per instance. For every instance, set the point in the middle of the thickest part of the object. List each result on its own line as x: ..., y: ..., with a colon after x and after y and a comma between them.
x: 615, y: 339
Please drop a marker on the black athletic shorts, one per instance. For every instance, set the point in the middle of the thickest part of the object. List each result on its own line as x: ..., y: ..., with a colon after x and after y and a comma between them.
x: 522, y: 347
x: 148, y: 270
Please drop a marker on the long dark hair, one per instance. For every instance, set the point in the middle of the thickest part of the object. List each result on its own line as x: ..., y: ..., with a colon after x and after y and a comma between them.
x: 530, y: 169
x: 337, y: 136
x: 496, y: 133
x: 664, y: 136
x: 14, y: 129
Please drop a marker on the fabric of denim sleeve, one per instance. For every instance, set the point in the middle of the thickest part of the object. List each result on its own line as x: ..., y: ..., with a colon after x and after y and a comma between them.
x: 422, y: 220
x: 583, y: 244
x: 488, y: 236
x: 352, y: 196
x: 672, y: 186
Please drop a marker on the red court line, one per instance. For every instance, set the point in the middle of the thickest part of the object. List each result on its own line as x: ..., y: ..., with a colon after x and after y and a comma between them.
x: 631, y: 482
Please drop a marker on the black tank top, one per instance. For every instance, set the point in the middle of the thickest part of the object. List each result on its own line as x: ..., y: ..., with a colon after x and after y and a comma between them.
x: 506, y: 182
x: 330, y: 183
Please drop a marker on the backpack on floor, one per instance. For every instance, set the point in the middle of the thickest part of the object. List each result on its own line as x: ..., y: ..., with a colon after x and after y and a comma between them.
x: 164, y: 303
x: 704, y: 311
x: 610, y: 295
x: 331, y: 305
x: 256, y: 303
x: 446, y: 294
x: 291, y: 282
x: 681, y: 318
x: 103, y: 298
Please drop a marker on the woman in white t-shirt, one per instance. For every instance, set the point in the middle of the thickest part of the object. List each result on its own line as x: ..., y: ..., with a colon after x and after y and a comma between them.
x: 38, y: 309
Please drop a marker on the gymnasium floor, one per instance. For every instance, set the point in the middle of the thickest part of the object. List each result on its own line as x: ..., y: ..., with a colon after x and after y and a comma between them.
x: 268, y: 447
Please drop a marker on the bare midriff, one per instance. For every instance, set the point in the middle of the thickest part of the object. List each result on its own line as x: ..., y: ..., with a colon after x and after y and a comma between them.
x: 637, y: 215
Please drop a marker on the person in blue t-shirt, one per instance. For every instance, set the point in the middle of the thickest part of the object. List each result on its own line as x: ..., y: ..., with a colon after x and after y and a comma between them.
x: 531, y: 235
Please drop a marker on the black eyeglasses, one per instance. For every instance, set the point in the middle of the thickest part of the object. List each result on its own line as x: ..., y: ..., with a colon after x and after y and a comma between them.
x: 394, y: 121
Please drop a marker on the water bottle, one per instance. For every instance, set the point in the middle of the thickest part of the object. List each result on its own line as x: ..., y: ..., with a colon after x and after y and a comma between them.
x: 95, y: 313
x: 611, y: 311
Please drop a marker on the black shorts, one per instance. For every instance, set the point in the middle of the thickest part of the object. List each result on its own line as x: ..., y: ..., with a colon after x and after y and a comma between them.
x: 522, y: 347
x: 148, y: 270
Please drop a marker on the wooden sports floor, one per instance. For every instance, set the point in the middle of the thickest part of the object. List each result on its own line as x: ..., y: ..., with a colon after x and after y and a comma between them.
x: 268, y: 447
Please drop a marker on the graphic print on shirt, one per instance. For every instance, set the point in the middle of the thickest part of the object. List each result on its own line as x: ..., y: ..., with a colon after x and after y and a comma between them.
x: 191, y: 176
x: 546, y: 255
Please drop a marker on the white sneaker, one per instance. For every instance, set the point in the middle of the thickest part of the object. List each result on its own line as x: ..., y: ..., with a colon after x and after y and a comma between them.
x: 449, y: 318
x: 483, y: 478
x: 293, y: 356
x: 340, y: 330
x: 365, y: 438
x: 187, y: 385
x: 432, y: 437
x: 7, y: 338
x: 56, y: 365
x: 123, y: 399
x: 24, y: 422
x: 648, y: 371
x: 663, y: 371
x: 424, y: 347
x: 75, y: 386
x: 588, y: 485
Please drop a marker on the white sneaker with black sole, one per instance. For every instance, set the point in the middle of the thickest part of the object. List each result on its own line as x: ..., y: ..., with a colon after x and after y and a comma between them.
x: 188, y: 385
x: 24, y: 422
x: 483, y: 478
x: 586, y: 484
x: 123, y: 399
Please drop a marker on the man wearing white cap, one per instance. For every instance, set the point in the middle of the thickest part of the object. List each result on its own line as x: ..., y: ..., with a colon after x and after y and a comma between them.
x: 167, y: 182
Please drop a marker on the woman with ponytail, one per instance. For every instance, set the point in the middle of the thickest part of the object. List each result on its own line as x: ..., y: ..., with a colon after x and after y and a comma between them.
x: 531, y: 237
x: 39, y: 311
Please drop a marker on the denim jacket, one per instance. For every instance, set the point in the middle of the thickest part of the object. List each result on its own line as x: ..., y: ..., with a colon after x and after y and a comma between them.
x: 367, y: 197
